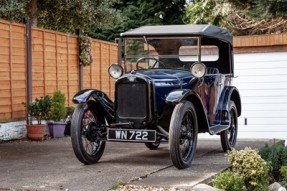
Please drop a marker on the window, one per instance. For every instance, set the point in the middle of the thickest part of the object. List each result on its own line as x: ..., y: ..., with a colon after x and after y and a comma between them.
x: 190, y: 53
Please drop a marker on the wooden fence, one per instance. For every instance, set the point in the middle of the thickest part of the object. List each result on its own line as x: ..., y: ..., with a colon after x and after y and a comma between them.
x: 55, y: 66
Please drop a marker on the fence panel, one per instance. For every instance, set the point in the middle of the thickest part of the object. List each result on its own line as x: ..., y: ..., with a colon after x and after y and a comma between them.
x: 55, y: 66
x: 13, y: 71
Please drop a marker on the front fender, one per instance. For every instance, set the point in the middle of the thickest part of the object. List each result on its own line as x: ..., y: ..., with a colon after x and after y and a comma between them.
x: 177, y: 96
x: 102, y: 101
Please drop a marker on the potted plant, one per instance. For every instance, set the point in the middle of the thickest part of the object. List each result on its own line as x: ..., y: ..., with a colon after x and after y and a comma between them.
x: 57, y: 113
x: 38, y: 110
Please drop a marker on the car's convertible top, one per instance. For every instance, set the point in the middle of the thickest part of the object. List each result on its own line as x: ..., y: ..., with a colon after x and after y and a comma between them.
x: 209, y: 31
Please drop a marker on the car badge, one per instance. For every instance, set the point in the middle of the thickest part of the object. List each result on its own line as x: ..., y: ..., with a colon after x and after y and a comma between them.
x: 131, y: 78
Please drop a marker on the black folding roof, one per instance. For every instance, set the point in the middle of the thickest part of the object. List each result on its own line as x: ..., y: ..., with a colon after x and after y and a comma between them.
x: 209, y: 31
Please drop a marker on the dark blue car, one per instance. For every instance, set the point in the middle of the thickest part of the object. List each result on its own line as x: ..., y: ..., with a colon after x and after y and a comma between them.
x: 172, y: 82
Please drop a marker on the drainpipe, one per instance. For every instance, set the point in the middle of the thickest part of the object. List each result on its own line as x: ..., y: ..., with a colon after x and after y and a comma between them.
x: 29, y: 66
x: 79, y: 32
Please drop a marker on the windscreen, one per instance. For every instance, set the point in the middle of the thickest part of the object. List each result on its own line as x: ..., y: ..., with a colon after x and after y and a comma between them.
x: 147, y: 53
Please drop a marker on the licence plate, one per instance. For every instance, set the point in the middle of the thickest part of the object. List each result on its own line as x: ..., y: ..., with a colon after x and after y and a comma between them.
x: 135, y: 135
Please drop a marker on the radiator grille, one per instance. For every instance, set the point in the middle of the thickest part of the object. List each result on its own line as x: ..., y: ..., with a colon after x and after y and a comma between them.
x: 132, y: 100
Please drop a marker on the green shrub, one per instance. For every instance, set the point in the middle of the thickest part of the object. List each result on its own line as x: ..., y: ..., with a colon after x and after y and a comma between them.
x: 283, y: 173
x: 249, y: 165
x: 39, y: 108
x: 58, y: 109
x: 275, y: 154
x: 118, y: 184
x: 229, y: 181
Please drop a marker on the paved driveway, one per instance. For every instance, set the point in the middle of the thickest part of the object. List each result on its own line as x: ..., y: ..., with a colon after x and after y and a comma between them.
x: 52, y: 165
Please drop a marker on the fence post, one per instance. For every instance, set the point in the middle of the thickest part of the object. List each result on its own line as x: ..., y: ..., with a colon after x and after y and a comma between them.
x: 29, y: 65
x: 79, y: 32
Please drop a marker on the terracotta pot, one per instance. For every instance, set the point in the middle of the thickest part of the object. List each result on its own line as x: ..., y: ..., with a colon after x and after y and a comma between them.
x: 35, y: 132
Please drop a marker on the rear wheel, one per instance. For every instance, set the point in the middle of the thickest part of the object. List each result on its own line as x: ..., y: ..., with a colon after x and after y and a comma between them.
x: 152, y: 146
x: 85, y: 135
x: 229, y: 136
x: 183, y: 135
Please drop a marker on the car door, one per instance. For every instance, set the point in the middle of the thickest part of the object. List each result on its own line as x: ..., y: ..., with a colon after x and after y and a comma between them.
x: 210, y: 92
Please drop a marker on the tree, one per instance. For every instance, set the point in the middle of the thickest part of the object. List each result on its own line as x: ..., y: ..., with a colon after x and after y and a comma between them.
x: 135, y: 13
x: 103, y: 19
x: 263, y: 9
x: 13, y: 11
x: 258, y: 16
x: 203, y: 12
x: 60, y: 15
x: 84, y: 14
x: 241, y: 17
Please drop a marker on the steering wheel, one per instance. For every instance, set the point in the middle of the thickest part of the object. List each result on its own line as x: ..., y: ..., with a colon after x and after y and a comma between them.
x: 150, y: 58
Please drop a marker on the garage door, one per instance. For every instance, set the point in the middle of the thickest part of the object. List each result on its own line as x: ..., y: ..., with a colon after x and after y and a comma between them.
x: 262, y: 83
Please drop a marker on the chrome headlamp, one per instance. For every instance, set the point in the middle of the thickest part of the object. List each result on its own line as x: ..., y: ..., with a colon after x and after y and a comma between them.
x: 116, y: 71
x: 198, y: 69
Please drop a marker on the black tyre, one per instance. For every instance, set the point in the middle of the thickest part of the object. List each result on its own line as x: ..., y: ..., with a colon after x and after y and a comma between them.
x: 229, y: 136
x: 183, y: 135
x: 152, y: 146
x: 83, y: 135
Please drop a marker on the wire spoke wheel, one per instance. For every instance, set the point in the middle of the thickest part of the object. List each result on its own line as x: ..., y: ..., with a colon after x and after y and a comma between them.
x: 183, y: 135
x: 186, y: 140
x: 229, y: 136
x: 233, y: 127
x: 84, y: 135
x: 89, y: 140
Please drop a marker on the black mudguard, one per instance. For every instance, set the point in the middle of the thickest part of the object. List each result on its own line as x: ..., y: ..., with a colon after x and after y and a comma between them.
x: 222, y: 117
x: 99, y: 100
x: 229, y: 93
x: 179, y: 95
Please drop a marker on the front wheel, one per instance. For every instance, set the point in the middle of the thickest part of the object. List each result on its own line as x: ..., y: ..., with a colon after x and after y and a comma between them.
x: 229, y: 136
x: 183, y: 134
x: 84, y: 135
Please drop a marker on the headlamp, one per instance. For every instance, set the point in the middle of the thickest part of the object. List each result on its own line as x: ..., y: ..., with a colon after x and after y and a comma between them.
x: 115, y: 71
x: 198, y: 69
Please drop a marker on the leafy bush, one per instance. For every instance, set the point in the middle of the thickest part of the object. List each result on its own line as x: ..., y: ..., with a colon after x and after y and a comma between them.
x: 283, y: 172
x: 58, y: 109
x: 249, y: 165
x: 118, y: 184
x: 39, y: 108
x: 229, y: 181
x: 275, y: 154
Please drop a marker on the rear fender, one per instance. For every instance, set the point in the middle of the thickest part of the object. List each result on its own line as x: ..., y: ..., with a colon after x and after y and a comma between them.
x: 97, y: 99
x: 177, y: 96
x: 229, y: 93
x: 222, y: 118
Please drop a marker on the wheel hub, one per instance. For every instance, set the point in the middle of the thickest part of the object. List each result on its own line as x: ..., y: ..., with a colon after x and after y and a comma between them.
x: 91, y: 132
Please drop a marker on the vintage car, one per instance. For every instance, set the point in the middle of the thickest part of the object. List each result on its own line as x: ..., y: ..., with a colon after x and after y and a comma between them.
x: 172, y: 82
